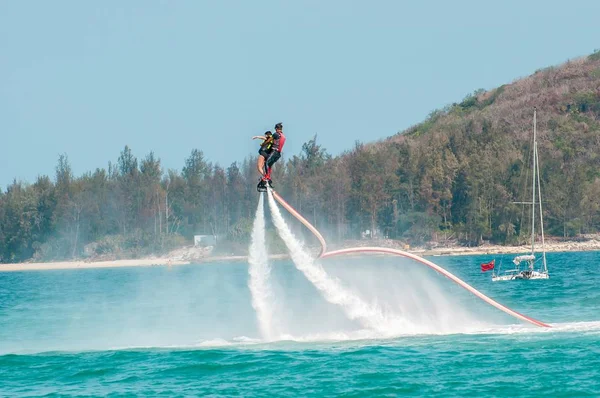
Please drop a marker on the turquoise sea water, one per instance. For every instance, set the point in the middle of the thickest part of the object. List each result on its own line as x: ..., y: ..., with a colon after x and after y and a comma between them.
x: 192, y: 331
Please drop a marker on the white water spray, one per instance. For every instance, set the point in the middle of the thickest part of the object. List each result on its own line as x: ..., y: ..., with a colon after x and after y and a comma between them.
x: 259, y: 270
x: 369, y: 316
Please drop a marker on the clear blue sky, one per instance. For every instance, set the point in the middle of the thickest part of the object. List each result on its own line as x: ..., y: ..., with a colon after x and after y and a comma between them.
x: 86, y: 78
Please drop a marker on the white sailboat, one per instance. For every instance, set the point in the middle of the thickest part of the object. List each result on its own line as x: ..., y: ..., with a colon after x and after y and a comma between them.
x: 528, y: 261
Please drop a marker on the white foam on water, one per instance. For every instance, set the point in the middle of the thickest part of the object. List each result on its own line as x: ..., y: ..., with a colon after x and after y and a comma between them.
x: 561, y: 327
x: 367, y: 336
x: 591, y: 327
x: 214, y: 343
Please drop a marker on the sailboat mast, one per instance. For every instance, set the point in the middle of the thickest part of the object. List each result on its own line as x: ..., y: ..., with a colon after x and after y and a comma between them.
x: 533, y: 183
x: 541, y: 213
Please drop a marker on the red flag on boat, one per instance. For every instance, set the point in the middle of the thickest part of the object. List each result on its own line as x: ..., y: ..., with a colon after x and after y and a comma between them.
x: 487, y: 266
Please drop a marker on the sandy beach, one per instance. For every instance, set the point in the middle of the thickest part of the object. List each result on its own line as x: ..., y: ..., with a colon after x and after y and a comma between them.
x: 192, y: 255
x: 592, y: 244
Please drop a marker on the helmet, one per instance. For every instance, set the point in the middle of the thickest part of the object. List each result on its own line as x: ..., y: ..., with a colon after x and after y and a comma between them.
x: 279, y: 126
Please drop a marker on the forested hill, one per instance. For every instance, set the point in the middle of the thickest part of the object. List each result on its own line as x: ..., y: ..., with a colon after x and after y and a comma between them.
x: 452, y: 178
x: 464, y: 164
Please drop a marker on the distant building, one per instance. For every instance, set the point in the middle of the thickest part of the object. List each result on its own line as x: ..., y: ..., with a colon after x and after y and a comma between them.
x: 205, y: 240
x: 368, y: 234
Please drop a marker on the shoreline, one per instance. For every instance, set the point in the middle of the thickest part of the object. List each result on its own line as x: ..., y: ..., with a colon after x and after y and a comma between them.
x: 192, y: 257
x: 140, y: 262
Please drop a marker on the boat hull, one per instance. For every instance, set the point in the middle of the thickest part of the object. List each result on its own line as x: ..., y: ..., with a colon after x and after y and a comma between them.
x: 525, y: 275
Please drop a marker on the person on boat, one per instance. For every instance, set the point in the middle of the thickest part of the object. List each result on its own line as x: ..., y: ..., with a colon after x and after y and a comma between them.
x: 264, y: 152
x: 275, y: 154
